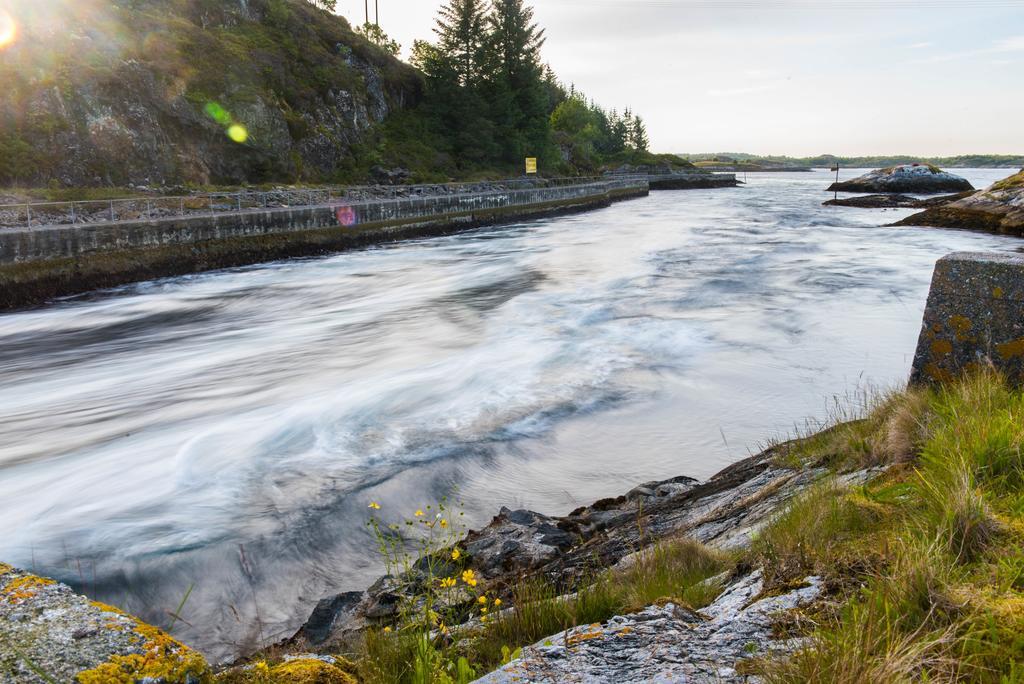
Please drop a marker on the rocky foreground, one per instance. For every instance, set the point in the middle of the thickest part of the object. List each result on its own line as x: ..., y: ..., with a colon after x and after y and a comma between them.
x: 921, y: 179
x: 665, y: 642
x: 998, y: 208
x: 46, y: 628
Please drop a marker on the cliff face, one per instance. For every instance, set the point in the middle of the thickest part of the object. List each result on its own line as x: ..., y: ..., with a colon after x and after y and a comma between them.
x: 188, y: 91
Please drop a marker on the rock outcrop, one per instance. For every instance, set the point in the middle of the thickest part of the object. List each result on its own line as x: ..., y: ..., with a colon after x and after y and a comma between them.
x: 160, y: 93
x: 922, y: 179
x: 998, y: 208
x: 724, y: 512
x: 666, y: 643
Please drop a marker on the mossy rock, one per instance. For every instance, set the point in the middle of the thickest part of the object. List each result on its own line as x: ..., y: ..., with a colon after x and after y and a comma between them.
x: 50, y: 634
x: 295, y: 670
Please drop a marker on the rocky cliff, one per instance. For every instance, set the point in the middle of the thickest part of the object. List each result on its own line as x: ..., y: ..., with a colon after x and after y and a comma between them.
x: 153, y: 92
x: 999, y: 208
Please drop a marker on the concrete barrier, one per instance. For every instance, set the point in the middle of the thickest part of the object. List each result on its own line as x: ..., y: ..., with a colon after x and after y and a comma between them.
x: 974, y: 317
x: 37, y: 264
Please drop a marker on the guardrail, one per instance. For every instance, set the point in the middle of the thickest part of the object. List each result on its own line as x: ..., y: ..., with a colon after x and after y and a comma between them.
x: 99, y: 212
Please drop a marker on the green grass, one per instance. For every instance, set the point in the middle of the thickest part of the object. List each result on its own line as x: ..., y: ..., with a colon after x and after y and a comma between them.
x: 927, y: 561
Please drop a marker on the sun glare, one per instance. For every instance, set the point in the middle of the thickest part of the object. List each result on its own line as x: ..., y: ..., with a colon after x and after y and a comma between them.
x: 8, y: 30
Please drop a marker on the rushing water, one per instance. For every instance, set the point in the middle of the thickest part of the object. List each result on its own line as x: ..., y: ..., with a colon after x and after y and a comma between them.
x: 227, y: 430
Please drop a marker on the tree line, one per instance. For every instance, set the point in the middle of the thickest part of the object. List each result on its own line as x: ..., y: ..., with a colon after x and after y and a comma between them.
x: 493, y: 101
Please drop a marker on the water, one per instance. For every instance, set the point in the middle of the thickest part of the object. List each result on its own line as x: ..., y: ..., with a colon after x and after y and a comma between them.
x: 227, y: 430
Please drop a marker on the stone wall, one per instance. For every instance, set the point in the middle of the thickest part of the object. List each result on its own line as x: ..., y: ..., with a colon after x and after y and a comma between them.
x: 974, y: 317
x: 37, y: 264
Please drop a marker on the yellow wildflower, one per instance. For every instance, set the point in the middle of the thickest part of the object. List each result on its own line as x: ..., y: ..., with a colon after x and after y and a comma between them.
x: 387, y: 630
x: 456, y: 554
x: 444, y: 523
x: 484, y: 609
x: 448, y: 582
x: 419, y: 513
x: 482, y: 599
x: 374, y: 505
x: 497, y: 602
x: 469, y: 577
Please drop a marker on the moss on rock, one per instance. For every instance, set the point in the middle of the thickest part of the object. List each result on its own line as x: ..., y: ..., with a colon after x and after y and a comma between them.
x: 50, y: 633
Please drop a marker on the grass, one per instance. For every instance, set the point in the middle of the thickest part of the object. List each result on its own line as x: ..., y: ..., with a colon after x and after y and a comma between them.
x: 926, y: 561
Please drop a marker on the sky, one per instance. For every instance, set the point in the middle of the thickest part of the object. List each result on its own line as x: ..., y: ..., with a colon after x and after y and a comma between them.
x: 847, y: 77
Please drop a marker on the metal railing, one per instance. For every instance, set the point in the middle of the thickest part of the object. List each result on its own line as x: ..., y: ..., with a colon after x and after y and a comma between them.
x: 98, y: 212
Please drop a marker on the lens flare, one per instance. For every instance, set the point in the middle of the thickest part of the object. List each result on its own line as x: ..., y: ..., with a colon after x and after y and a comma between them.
x: 238, y: 133
x: 8, y: 30
x: 346, y: 216
x: 234, y: 130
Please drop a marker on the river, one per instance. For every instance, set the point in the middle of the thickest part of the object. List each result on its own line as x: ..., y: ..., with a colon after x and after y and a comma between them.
x: 226, y: 431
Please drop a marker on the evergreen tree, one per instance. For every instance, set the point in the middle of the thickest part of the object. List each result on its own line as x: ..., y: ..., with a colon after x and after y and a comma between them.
x: 619, y: 138
x: 517, y: 93
x: 638, y: 135
x: 461, y: 33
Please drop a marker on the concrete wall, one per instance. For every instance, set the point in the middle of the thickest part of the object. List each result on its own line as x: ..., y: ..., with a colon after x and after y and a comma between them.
x: 54, y: 242
x: 974, y: 317
x: 39, y: 264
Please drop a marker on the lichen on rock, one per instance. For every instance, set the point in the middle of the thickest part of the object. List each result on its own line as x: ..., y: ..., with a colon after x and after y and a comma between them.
x: 48, y: 633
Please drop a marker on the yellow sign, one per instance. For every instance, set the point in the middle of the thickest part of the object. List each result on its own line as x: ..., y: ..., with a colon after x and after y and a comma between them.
x: 531, y: 165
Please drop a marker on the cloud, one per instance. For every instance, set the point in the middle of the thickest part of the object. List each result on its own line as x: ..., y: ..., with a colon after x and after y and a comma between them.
x: 1014, y: 44
x: 1003, y: 45
x: 745, y: 90
x: 919, y: 46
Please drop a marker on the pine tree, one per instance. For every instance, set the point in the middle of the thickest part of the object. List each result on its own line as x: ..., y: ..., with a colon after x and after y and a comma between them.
x: 519, y: 98
x: 638, y: 135
x: 461, y: 32
x: 619, y: 133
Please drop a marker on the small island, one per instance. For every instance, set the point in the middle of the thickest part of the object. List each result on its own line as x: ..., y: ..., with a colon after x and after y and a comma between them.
x: 923, y: 179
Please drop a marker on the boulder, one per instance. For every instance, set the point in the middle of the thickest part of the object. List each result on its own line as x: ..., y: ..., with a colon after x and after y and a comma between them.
x: 48, y: 633
x: 998, y: 208
x: 923, y: 179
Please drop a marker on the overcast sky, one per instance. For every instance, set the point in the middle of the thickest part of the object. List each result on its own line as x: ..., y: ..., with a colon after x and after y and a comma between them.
x: 852, y: 77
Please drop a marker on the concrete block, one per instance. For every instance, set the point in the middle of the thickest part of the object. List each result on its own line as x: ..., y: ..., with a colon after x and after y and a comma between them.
x: 974, y: 317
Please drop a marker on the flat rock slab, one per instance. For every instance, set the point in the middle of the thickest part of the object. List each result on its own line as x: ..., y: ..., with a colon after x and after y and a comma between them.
x: 894, y: 201
x: 974, y: 317
x: 49, y: 634
x: 664, y: 643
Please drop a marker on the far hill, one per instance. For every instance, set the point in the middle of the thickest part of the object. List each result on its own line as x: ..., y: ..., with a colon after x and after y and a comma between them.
x: 976, y: 161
